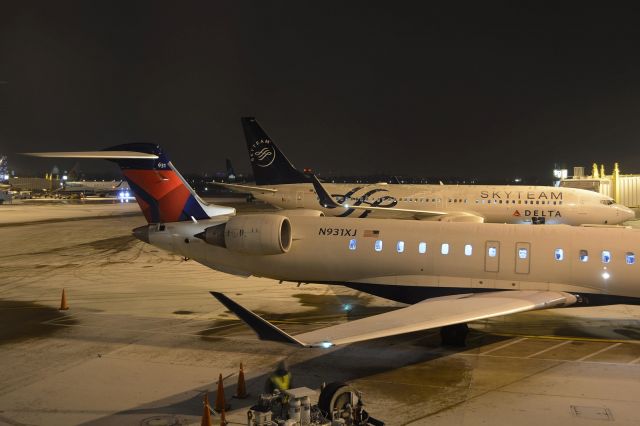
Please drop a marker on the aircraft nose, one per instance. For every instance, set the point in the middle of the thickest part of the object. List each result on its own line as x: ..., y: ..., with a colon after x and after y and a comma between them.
x: 141, y: 233
x: 625, y: 213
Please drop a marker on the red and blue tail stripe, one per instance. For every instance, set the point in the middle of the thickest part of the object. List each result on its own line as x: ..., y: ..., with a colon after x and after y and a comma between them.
x: 161, y: 192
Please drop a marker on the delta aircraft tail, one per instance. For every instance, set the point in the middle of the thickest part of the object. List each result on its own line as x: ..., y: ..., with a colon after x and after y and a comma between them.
x: 270, y: 166
x: 161, y: 191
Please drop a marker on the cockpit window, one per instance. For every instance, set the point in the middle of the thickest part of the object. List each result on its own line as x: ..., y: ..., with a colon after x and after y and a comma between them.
x: 607, y: 202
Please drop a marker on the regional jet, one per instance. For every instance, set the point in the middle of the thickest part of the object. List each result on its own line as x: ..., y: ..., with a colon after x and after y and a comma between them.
x: 448, y: 273
x: 279, y: 183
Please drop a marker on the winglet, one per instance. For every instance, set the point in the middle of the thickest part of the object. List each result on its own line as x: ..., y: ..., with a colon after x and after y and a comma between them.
x: 325, y: 199
x: 264, y: 329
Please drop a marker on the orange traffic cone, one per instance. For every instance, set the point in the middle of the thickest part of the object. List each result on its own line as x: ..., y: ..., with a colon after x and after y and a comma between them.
x: 63, y: 302
x: 241, y: 390
x: 206, y: 414
x: 220, y: 402
x: 223, y: 420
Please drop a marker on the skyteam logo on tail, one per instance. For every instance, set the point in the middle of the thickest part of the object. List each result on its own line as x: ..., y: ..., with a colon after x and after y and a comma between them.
x: 262, y: 153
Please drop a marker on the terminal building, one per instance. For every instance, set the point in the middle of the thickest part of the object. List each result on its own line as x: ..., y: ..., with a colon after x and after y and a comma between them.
x: 623, y: 188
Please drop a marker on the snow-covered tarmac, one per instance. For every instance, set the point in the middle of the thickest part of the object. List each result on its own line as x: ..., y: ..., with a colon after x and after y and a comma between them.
x: 143, y: 339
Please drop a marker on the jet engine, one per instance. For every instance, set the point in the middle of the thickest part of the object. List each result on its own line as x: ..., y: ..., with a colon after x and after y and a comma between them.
x: 251, y: 234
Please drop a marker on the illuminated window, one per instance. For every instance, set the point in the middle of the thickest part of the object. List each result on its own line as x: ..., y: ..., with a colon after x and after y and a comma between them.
x: 584, y: 255
x: 352, y: 244
x: 559, y: 254
x: 422, y: 248
x: 522, y: 253
x: 400, y: 246
x: 378, y: 245
x: 492, y: 252
x: 630, y: 258
x: 606, y: 256
x: 445, y: 248
x: 468, y: 250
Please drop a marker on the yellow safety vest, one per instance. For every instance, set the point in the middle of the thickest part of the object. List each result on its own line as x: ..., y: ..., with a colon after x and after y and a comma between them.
x: 281, y: 382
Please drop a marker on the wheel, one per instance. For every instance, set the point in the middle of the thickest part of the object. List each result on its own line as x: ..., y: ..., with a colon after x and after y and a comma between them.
x: 335, y: 395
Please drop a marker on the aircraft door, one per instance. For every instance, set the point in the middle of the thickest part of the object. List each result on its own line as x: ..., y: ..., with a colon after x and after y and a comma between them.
x: 492, y: 256
x: 523, y: 254
x: 300, y: 199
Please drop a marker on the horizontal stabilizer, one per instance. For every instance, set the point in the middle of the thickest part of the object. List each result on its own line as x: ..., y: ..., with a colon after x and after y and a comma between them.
x: 107, y: 155
x: 264, y: 329
x: 429, y: 314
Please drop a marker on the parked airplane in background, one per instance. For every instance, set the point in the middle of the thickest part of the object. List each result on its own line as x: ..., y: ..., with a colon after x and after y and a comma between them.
x: 449, y: 273
x: 279, y: 183
x: 95, y: 187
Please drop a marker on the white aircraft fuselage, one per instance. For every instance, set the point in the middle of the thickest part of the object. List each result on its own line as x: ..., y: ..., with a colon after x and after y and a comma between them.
x: 493, y: 203
x: 421, y: 259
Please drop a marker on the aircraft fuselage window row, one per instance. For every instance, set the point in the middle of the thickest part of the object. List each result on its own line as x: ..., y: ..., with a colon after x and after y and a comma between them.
x: 523, y: 253
x: 465, y: 201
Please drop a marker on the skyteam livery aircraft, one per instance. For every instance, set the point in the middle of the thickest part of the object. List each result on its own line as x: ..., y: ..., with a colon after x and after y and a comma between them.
x: 279, y: 183
x: 447, y: 273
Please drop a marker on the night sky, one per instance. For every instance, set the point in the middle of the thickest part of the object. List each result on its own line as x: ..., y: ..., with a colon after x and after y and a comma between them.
x: 481, y: 89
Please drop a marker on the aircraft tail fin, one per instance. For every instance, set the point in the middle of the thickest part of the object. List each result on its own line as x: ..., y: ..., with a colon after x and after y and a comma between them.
x: 231, y: 174
x: 270, y: 166
x: 161, y: 191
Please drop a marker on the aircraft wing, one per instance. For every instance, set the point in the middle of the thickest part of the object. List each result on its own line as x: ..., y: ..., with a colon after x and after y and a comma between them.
x: 431, y: 313
x: 244, y: 188
x: 453, y: 216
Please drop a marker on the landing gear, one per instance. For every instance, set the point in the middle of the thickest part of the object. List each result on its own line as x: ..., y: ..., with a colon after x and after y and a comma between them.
x: 454, y: 335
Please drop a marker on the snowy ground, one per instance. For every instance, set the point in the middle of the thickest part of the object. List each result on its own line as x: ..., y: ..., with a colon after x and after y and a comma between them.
x: 143, y: 339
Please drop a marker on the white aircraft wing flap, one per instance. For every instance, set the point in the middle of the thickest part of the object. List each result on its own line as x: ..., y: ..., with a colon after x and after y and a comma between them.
x: 431, y: 313
x: 434, y: 314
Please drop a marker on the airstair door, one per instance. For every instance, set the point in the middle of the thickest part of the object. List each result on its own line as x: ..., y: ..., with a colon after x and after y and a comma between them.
x: 299, y: 199
x: 492, y: 256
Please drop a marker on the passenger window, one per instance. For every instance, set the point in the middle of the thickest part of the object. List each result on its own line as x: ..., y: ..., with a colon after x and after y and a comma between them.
x: 468, y: 250
x: 422, y: 248
x: 492, y: 252
x: 522, y: 253
x: 559, y: 254
x: 400, y: 246
x: 444, y: 249
x: 630, y: 258
x: 378, y: 245
x: 606, y: 256
x: 352, y: 244
x: 584, y: 255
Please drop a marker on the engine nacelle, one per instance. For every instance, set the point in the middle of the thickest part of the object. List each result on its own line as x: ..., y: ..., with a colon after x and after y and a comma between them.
x: 261, y: 234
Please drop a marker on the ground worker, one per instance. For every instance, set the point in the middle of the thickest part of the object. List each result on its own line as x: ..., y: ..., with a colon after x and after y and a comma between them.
x: 280, y: 379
